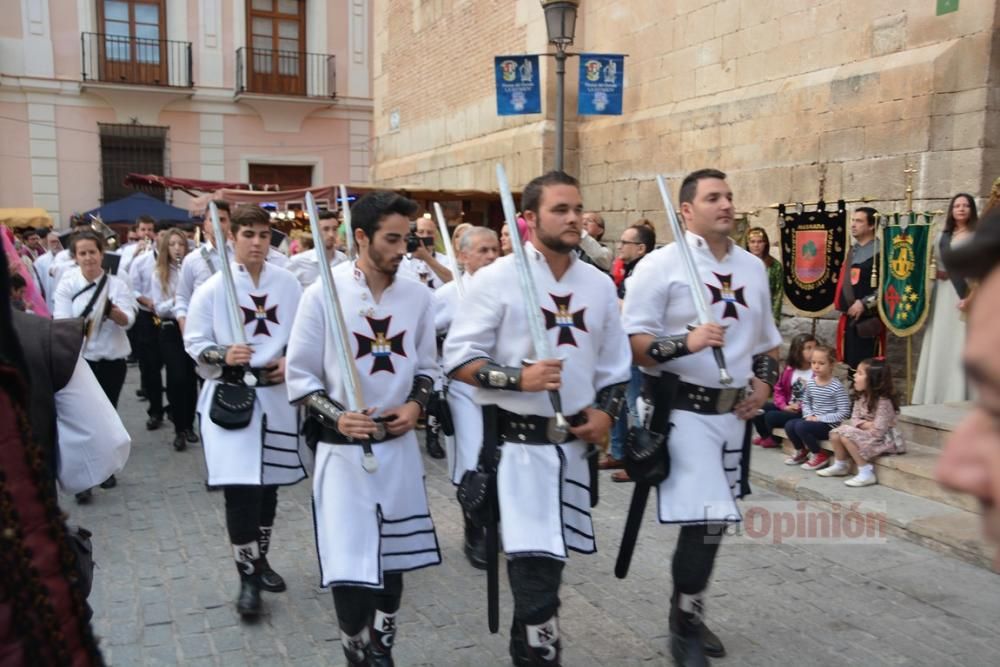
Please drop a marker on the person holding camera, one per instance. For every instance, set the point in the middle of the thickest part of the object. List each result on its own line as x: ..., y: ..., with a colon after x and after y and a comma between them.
x: 421, y: 262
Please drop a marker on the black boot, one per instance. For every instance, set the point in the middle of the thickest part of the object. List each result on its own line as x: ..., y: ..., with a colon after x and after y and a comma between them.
x: 355, y: 648
x: 475, y: 544
x: 383, y: 636
x: 433, y: 438
x: 686, y: 639
x: 247, y: 558
x: 180, y: 442
x: 270, y: 580
x: 109, y: 483
x: 711, y: 643
x: 535, y: 645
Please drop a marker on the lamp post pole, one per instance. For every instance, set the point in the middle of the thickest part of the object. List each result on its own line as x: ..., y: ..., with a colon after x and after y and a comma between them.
x: 560, y: 104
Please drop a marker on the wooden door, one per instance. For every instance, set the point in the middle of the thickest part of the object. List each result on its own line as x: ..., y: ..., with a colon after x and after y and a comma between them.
x: 132, y: 42
x: 276, y: 59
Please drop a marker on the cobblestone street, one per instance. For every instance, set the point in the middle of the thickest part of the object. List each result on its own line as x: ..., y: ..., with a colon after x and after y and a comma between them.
x: 165, y: 586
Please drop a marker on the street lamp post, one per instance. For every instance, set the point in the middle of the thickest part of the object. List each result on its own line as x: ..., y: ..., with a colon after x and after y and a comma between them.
x: 560, y: 23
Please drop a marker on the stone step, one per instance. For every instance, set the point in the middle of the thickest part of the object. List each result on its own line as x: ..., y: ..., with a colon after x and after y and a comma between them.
x: 931, y: 425
x: 912, y: 472
x: 933, y: 524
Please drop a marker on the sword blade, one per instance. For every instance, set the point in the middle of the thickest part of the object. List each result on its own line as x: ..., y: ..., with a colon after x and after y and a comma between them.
x: 640, y: 494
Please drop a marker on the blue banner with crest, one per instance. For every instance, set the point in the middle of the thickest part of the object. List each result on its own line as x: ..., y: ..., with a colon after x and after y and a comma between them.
x: 601, y: 77
x: 518, y: 89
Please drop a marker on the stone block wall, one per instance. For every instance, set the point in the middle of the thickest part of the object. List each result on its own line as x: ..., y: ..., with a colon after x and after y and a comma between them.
x: 775, y: 92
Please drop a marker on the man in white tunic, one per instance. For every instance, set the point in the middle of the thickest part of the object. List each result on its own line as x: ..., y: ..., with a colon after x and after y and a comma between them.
x: 250, y: 462
x: 543, y: 481
x: 478, y: 248
x: 709, y: 428
x: 371, y: 527
x: 304, y: 265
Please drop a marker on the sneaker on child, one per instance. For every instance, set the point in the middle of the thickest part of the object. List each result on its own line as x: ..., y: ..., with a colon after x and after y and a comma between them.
x: 797, y: 458
x: 816, y: 461
x: 865, y: 477
x: 838, y: 469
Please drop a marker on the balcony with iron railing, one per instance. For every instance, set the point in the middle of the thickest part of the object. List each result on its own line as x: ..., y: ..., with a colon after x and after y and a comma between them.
x: 122, y: 59
x: 287, y: 73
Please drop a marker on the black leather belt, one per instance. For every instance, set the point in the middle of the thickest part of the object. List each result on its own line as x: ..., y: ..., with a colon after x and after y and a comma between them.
x: 234, y: 375
x: 707, y: 400
x: 535, y: 430
x: 334, y: 437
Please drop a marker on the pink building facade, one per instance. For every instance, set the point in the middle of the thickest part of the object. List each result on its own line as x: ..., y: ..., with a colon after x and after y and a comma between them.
x: 260, y: 91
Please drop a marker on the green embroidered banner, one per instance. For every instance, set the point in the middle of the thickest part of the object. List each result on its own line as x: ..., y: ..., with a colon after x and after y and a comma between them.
x: 904, y: 279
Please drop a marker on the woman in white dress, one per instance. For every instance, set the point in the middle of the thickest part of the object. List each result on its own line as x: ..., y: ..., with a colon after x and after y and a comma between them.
x: 940, y: 376
x: 108, y: 308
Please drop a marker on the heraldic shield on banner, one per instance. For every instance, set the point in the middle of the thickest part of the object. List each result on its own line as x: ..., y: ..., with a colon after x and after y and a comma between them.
x: 813, y: 245
x: 904, y: 273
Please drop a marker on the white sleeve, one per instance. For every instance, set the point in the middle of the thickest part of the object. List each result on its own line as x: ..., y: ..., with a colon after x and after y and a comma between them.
x: 600, y: 254
x: 199, y: 330
x: 768, y: 336
x: 614, y: 360
x: 473, y: 335
x: 185, y: 286
x: 645, y: 300
x: 93, y: 442
x: 62, y: 302
x: 163, y: 305
x: 121, y: 296
x: 427, y: 343
x: 304, y: 357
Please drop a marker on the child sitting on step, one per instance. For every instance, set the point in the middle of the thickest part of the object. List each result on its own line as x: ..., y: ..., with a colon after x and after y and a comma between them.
x: 825, y: 404
x: 871, y: 430
x: 788, y: 392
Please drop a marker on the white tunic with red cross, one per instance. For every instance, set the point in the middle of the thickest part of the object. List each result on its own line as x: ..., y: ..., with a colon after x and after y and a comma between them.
x: 707, y: 452
x: 544, y: 490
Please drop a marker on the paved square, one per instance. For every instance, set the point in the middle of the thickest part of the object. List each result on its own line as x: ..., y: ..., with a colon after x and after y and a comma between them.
x: 165, y: 585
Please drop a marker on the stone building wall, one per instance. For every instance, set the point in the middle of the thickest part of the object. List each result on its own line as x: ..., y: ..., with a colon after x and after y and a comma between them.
x: 772, y: 91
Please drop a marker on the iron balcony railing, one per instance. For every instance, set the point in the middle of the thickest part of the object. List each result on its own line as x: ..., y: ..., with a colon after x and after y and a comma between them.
x: 136, y: 60
x: 295, y: 73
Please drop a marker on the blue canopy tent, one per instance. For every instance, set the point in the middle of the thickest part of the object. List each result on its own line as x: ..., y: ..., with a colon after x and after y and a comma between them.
x: 131, y: 207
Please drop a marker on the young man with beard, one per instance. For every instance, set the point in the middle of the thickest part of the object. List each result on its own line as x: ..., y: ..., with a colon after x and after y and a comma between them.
x: 708, y: 433
x: 248, y: 462
x: 371, y: 526
x: 543, y: 479
x: 478, y: 248
x: 305, y: 265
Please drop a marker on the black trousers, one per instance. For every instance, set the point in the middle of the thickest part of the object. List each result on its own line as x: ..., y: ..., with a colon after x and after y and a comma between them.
x: 147, y: 353
x: 247, y: 509
x: 534, y: 582
x: 355, y: 605
x: 182, y: 381
x: 857, y: 349
x: 694, y: 557
x: 110, y: 374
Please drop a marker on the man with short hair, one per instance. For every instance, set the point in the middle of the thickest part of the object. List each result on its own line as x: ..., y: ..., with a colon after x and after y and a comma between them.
x: 248, y: 461
x: 425, y: 264
x: 144, y: 334
x: 478, y: 248
x: 591, y: 249
x: 635, y: 243
x: 544, y: 479
x: 305, y: 265
x: 371, y: 525
x: 970, y: 461
x: 44, y: 263
x: 200, y: 264
x: 705, y: 423
x: 860, y: 334
x: 145, y: 240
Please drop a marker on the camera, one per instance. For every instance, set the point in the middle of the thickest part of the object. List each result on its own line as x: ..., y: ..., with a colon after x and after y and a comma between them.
x: 413, y: 241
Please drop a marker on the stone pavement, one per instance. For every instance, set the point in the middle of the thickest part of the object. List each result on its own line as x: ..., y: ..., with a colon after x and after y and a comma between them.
x: 165, y: 585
